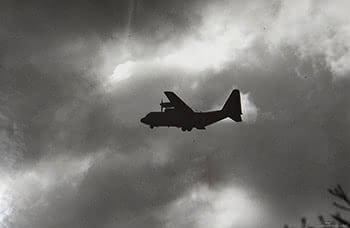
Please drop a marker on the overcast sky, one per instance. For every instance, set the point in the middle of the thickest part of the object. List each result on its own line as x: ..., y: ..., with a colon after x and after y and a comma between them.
x: 77, y: 76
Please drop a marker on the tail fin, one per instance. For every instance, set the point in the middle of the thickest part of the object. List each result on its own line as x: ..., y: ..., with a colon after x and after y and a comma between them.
x: 232, y: 108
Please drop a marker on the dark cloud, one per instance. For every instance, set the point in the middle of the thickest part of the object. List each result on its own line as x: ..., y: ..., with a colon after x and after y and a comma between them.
x: 49, y: 52
x: 43, y: 21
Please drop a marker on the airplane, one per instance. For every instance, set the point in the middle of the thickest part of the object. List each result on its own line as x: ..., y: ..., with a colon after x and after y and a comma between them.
x: 176, y: 113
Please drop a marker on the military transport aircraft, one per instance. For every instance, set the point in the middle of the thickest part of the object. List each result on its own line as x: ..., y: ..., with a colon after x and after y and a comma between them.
x: 176, y: 113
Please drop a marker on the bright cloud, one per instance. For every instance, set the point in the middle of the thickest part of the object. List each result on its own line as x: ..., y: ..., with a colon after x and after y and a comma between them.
x: 211, y: 52
x: 5, y: 200
x: 28, y: 188
x: 314, y: 28
x: 249, y: 109
x: 215, y: 208
x: 214, y: 44
x: 123, y: 71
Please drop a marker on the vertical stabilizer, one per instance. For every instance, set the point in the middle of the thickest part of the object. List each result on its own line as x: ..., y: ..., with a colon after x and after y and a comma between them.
x: 232, y: 107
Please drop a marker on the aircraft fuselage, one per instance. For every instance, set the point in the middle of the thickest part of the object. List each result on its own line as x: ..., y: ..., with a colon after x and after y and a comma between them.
x: 186, y: 121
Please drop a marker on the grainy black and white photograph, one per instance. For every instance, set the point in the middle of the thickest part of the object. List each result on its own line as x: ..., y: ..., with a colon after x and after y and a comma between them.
x: 174, y: 114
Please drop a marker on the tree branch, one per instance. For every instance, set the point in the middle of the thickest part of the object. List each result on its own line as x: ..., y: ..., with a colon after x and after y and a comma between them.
x: 342, y: 221
x: 339, y: 193
x: 342, y: 207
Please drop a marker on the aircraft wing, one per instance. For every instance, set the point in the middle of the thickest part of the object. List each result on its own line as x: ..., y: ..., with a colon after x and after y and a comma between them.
x: 177, y: 102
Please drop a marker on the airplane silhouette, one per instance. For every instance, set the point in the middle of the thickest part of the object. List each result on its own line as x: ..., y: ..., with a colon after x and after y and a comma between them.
x: 176, y: 113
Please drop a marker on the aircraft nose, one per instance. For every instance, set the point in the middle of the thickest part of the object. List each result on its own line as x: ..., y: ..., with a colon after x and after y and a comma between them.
x: 142, y: 120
